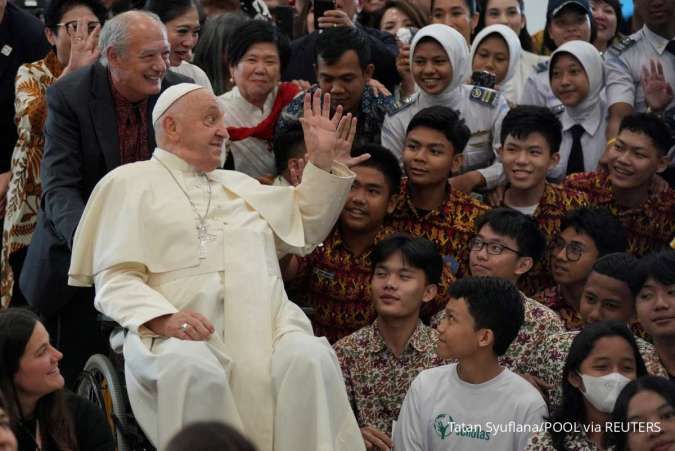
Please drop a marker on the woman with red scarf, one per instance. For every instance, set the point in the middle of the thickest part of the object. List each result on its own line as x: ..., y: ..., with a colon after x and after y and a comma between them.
x: 256, y: 56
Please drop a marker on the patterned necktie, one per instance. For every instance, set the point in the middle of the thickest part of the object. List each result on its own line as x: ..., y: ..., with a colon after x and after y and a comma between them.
x: 671, y: 46
x: 576, y: 161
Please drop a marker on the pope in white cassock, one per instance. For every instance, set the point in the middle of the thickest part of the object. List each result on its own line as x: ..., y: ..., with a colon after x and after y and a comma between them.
x: 186, y: 258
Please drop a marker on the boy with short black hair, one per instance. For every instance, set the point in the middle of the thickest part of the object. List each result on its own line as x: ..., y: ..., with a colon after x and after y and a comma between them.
x: 531, y: 137
x: 456, y: 406
x: 586, y: 235
x: 380, y: 360
x: 626, y: 188
x: 506, y: 245
x: 428, y: 205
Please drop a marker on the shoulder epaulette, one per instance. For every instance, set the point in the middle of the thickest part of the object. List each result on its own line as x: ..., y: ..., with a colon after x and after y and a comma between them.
x: 558, y: 109
x: 541, y: 67
x: 400, y: 106
x: 624, y: 44
x: 485, y: 96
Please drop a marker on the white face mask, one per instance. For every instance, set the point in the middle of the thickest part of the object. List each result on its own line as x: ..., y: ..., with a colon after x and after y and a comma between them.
x: 602, y: 391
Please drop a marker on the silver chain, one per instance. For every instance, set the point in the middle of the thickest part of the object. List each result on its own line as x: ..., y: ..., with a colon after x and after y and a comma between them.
x: 202, y: 220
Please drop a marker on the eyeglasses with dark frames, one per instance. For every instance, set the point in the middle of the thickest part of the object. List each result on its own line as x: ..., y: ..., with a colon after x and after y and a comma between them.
x: 573, y: 250
x: 493, y: 247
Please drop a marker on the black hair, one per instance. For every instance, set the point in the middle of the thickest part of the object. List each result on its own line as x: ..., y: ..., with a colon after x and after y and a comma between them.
x: 471, y: 4
x: 255, y: 32
x: 416, y: 16
x: 572, y: 409
x: 287, y: 145
x: 384, y: 161
x: 605, y: 229
x: 56, y: 9
x: 518, y: 226
x: 659, y: 266
x: 209, y: 436
x: 616, y: 6
x: 494, y: 304
x: 620, y: 266
x: 551, y: 45
x: 659, y: 385
x: 444, y: 120
x: 652, y: 126
x: 167, y: 10
x: 51, y: 411
x: 523, y: 36
x: 523, y: 120
x: 418, y: 253
x: 332, y: 43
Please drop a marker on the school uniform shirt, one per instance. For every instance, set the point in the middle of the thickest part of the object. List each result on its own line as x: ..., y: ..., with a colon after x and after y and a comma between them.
x: 649, y: 227
x: 591, y: 113
x: 376, y: 379
x: 624, y: 62
x: 537, y: 90
x: 441, y: 412
x: 481, y: 108
x: 526, y: 65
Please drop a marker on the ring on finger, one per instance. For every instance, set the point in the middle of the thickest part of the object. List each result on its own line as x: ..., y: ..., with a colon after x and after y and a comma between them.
x: 184, y: 327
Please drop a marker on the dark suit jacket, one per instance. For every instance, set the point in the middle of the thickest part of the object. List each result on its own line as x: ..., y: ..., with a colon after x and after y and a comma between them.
x: 22, y: 40
x: 383, y: 50
x: 81, y: 146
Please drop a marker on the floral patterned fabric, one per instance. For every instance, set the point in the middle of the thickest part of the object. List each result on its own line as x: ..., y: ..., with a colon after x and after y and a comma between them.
x: 450, y: 226
x: 649, y: 227
x: 540, y: 323
x: 555, y: 203
x: 376, y: 379
x: 25, y: 188
x: 548, y: 361
x: 575, y: 441
x: 552, y: 299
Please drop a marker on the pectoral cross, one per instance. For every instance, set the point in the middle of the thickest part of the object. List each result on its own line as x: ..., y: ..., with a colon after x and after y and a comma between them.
x: 204, y: 238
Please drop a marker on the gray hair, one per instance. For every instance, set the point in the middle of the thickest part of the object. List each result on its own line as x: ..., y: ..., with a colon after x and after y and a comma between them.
x: 115, y: 32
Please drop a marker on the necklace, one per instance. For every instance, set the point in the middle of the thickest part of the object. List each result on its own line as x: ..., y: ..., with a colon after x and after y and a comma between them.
x: 202, y: 228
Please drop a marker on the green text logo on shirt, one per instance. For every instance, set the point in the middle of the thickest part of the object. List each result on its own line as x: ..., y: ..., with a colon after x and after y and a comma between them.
x: 445, y: 426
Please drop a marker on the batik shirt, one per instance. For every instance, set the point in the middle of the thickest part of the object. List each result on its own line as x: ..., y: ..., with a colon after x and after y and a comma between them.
x: 450, y: 226
x: 25, y: 187
x: 336, y: 284
x: 376, y: 379
x: 556, y: 201
x: 552, y: 299
x: 540, y: 323
x: 548, y: 361
x: 372, y: 111
x: 574, y: 441
x: 649, y: 227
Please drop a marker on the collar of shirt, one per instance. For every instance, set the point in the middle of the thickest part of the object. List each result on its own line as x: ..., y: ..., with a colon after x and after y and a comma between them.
x: 122, y: 104
x: 420, y: 340
x: 53, y: 64
x: 591, y: 124
x: 658, y: 42
x: 174, y: 162
x: 336, y: 240
x: 407, y: 200
x: 248, y: 108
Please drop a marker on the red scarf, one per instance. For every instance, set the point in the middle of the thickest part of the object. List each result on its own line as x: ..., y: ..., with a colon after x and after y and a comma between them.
x: 265, y: 129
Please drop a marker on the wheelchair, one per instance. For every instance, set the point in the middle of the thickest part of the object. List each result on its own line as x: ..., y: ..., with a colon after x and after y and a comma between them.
x: 102, y: 382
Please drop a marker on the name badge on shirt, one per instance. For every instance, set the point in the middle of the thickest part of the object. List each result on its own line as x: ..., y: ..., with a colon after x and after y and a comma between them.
x: 6, y: 50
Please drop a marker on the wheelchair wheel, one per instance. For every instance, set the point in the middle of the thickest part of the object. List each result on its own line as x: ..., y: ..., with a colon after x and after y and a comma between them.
x: 101, y: 385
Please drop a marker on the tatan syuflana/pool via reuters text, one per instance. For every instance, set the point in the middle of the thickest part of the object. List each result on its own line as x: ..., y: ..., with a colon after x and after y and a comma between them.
x: 493, y: 429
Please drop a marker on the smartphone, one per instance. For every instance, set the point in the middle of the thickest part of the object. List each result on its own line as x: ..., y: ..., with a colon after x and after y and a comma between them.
x: 320, y: 7
x: 283, y: 17
x: 484, y: 78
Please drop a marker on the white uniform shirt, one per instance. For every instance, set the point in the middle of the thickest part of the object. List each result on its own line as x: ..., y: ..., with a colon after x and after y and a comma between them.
x: 624, y: 62
x: 194, y: 72
x: 513, y: 89
x: 537, y: 90
x: 441, y: 412
x: 483, y: 119
x: 252, y: 156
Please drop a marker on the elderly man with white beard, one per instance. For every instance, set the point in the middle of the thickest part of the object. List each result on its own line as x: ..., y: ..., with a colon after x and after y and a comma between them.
x: 185, y: 257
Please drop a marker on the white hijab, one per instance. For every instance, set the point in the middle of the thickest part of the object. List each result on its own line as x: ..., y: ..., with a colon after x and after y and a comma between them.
x: 512, y: 43
x: 455, y: 46
x: 592, y: 62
